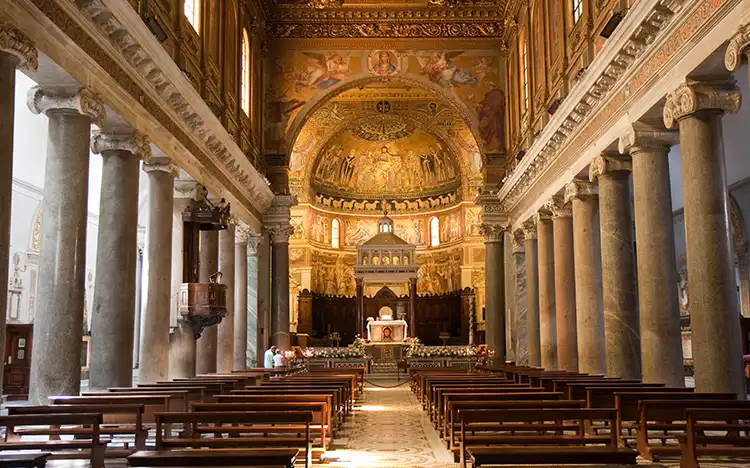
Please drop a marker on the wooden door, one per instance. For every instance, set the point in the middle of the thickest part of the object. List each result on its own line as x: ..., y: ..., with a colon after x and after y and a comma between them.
x: 17, y: 359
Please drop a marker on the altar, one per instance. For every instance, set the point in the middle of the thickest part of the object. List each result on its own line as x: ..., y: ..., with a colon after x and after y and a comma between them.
x: 386, y: 331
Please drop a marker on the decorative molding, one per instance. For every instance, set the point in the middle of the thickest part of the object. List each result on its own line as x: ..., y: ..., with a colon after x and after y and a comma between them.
x: 639, y: 137
x: 492, y: 232
x: 738, y: 46
x: 253, y: 243
x: 134, y: 143
x: 241, y: 234
x: 370, y: 206
x: 579, y: 190
x: 14, y: 42
x: 529, y: 230
x: 606, y: 164
x: 280, y: 233
x: 559, y: 208
x: 84, y: 102
x: 412, y: 29
x: 692, y: 97
x: 163, y: 165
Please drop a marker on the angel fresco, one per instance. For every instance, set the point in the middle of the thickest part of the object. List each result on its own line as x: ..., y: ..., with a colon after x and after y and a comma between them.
x: 440, y: 68
x: 491, y: 117
x: 321, y: 71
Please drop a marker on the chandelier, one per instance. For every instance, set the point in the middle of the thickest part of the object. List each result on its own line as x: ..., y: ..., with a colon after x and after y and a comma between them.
x: 321, y: 4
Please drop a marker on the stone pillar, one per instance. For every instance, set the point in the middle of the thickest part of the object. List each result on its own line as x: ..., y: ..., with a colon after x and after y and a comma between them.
x: 264, y: 296
x: 206, y: 352
x: 494, y: 268
x: 155, y: 329
x: 412, y: 306
x: 546, y: 272
x: 565, y: 292
x: 738, y: 50
x: 742, y: 266
x: 251, y: 345
x: 518, y: 336
x: 532, y: 293
x: 582, y: 195
x: 239, y: 356
x: 225, y: 329
x: 697, y: 108
x: 112, y: 320
x: 62, y: 258
x: 621, y: 323
x: 16, y: 51
x: 658, y: 304
x: 276, y: 221
x: 360, y: 292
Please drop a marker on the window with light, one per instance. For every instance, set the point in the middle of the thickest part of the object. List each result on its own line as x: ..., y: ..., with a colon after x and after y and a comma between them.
x: 525, y: 73
x: 193, y: 13
x: 577, y: 11
x: 434, y: 232
x: 335, y: 229
x: 245, y: 73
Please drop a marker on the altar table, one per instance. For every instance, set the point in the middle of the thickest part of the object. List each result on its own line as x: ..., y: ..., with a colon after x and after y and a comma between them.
x: 386, y: 330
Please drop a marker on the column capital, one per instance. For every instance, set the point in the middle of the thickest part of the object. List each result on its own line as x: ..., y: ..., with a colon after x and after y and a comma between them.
x: 280, y: 233
x: 517, y: 246
x: 161, y: 165
x: 84, y: 102
x: 638, y: 137
x: 558, y: 207
x: 241, y: 234
x: 580, y: 190
x: 135, y: 143
x: 493, y: 211
x: 253, y: 242
x: 492, y: 232
x: 19, y: 45
x: 738, y: 46
x: 280, y: 209
x: 542, y: 216
x: 693, y: 97
x: 605, y: 164
x: 529, y: 230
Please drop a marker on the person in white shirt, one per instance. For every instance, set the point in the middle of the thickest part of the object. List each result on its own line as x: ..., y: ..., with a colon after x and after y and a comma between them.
x: 278, y: 359
x: 268, y: 357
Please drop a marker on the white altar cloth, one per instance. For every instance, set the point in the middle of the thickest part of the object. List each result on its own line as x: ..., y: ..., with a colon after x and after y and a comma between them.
x: 397, y: 329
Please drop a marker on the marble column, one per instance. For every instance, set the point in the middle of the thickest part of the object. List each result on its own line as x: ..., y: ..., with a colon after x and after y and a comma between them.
x: 582, y: 195
x: 621, y: 322
x: 494, y: 303
x: 738, y: 50
x: 742, y: 267
x: 239, y: 353
x: 412, y: 307
x: 658, y: 305
x: 276, y: 221
x: 697, y: 107
x: 518, y: 328
x: 546, y: 273
x: 206, y: 352
x: 17, y: 51
x: 532, y: 293
x: 225, y: 329
x: 112, y: 316
x: 62, y: 259
x: 155, y: 330
x: 565, y: 292
x: 264, y: 296
x: 253, y: 340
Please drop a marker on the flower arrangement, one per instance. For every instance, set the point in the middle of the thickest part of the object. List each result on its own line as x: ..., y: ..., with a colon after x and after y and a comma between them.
x: 351, y: 352
x: 418, y: 350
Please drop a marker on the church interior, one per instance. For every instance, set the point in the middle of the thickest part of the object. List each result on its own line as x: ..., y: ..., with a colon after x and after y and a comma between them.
x: 375, y: 233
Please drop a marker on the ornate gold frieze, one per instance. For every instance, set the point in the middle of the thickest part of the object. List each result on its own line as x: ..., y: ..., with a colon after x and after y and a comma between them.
x: 488, y: 29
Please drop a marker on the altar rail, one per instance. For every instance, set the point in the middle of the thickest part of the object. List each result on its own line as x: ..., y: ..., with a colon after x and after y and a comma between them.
x: 467, y: 363
x: 332, y: 363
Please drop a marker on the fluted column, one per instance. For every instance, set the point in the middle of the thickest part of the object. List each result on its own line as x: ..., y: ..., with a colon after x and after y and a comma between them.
x: 532, y: 293
x: 565, y: 293
x: 206, y: 348
x: 17, y: 51
x: 112, y: 320
x: 697, y: 107
x: 62, y: 261
x: 582, y: 195
x: 546, y: 263
x: 276, y: 221
x: 659, y: 309
x: 738, y: 50
x: 621, y: 323
x: 239, y: 356
x: 155, y: 329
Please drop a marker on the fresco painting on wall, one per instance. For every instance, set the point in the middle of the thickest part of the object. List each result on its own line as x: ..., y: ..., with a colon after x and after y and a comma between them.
x: 439, y: 273
x: 358, y: 231
x: 473, y: 220
x: 333, y: 274
x: 384, y: 62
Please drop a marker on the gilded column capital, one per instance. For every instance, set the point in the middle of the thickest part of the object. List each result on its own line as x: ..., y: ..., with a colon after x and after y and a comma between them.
x: 558, y: 207
x: 492, y: 233
x: 280, y: 233
x: 738, y: 46
x: 638, y: 137
x: 161, y: 165
x: 692, y: 97
x: 253, y: 242
x: 608, y: 164
x: 135, y: 143
x: 579, y: 190
x: 529, y: 230
x: 19, y: 45
x: 84, y: 102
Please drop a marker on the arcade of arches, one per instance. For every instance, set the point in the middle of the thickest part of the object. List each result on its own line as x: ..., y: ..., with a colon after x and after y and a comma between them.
x: 572, y: 176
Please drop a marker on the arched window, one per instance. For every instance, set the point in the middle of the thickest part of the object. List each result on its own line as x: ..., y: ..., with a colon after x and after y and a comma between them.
x: 434, y: 232
x: 193, y: 13
x: 577, y: 11
x: 335, y: 230
x: 245, y: 73
x: 524, y: 53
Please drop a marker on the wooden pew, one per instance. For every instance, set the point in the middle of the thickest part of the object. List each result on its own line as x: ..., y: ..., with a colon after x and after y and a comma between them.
x: 24, y: 460
x: 503, y: 448
x: 431, y: 382
x: 286, y: 398
x: 91, y: 447
x: 264, y: 457
x: 338, y: 405
x: 117, y: 420
x: 342, y: 392
x: 436, y: 402
x: 578, y: 390
x: 193, y: 394
x: 242, y: 430
x: 152, y: 403
x: 349, y: 381
x: 701, y: 439
x: 212, y: 387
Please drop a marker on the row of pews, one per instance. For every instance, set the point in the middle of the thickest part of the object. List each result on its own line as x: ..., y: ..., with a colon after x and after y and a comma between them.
x: 521, y: 415
x: 258, y: 417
